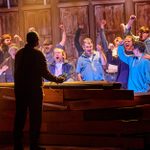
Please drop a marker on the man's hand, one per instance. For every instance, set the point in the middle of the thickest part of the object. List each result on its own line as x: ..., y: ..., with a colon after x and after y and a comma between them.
x: 61, y: 26
x: 3, y: 69
x: 81, y: 26
x: 102, y: 23
x: 132, y: 17
x: 61, y: 79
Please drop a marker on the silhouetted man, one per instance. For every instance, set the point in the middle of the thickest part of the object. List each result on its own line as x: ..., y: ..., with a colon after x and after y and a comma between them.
x: 30, y: 69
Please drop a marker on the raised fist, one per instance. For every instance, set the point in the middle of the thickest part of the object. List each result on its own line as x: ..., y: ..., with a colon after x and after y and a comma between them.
x: 132, y: 17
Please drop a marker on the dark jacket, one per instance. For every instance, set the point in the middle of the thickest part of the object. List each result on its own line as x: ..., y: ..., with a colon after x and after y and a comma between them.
x: 77, y: 42
x: 67, y: 69
x: 30, y: 69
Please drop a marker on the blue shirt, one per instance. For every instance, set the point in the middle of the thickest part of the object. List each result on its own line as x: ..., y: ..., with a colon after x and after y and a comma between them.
x: 90, y: 68
x: 139, y: 71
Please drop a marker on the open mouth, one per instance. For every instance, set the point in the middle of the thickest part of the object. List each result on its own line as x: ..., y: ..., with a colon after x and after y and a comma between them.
x: 127, y: 45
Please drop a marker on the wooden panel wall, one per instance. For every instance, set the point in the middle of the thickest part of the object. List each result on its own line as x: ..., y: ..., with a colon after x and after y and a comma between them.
x: 35, y: 2
x: 45, y: 16
x: 71, y: 17
x: 114, y: 16
x: 41, y: 20
x: 3, y: 3
x: 142, y: 11
x: 9, y: 22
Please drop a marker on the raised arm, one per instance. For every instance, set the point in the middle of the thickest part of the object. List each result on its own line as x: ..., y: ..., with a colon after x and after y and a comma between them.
x: 64, y: 36
x: 76, y: 40
x: 128, y: 26
x: 102, y: 35
x: 3, y: 69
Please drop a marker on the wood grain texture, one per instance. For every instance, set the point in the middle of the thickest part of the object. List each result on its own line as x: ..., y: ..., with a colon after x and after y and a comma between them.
x: 71, y: 18
x: 142, y: 11
x: 9, y: 23
x: 114, y: 16
x: 41, y: 20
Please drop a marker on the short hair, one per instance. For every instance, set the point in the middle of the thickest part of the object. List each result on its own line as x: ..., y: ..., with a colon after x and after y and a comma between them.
x: 87, y: 40
x: 140, y: 46
x: 47, y: 42
x: 5, y: 36
x: 62, y: 51
x: 144, y: 29
x: 32, y: 38
x: 131, y: 37
x: 118, y: 38
x: 13, y: 46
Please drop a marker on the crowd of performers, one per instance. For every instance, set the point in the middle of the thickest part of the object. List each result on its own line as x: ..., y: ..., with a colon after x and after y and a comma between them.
x: 126, y: 60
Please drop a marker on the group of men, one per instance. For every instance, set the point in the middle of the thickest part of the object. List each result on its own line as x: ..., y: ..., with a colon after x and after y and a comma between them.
x: 128, y: 59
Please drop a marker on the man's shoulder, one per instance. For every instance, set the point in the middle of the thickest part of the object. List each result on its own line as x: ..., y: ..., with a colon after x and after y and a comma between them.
x: 147, y: 40
x: 20, y: 52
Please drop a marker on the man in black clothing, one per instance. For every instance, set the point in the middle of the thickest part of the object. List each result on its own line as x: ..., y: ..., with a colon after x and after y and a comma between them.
x: 30, y: 69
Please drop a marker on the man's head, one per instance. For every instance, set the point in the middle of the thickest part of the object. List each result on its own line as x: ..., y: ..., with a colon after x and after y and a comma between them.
x: 117, y: 40
x: 6, y: 39
x: 128, y: 43
x: 143, y: 33
x: 32, y: 39
x: 47, y: 46
x: 88, y: 46
x: 13, y: 50
x: 59, y: 55
x: 139, y: 48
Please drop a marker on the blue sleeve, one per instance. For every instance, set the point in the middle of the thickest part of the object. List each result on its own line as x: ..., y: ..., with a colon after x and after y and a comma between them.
x: 125, y: 58
x: 59, y: 46
x: 78, y: 68
x: 147, y: 72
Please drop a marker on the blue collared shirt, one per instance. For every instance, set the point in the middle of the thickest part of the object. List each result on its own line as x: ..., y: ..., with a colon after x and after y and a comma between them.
x: 90, y: 68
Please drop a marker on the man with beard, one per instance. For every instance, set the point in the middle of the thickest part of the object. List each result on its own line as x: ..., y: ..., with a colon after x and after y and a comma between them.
x: 5, y: 42
x: 7, y: 66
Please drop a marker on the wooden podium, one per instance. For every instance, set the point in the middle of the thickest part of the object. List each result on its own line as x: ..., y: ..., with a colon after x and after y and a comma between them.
x: 87, y: 114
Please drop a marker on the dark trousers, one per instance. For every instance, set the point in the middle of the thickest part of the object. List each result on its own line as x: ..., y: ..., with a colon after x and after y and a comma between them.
x: 31, y: 102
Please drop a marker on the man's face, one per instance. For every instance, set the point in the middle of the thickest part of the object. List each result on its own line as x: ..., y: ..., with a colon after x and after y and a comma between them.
x: 117, y: 41
x: 13, y: 52
x: 58, y: 55
x: 88, y: 48
x: 7, y: 41
x: 143, y: 36
x: 47, y: 48
x: 128, y: 44
x: 136, y: 51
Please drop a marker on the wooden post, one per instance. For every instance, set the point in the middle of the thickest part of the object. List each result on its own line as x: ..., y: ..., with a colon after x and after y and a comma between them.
x: 55, y: 21
x: 91, y: 21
